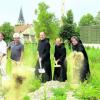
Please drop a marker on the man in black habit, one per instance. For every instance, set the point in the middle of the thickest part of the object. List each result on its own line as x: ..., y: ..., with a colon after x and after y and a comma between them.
x: 60, y: 56
x: 78, y: 46
x: 44, y: 55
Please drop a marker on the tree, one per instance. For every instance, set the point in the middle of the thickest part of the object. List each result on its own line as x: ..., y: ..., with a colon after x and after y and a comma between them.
x: 7, y: 30
x: 46, y: 21
x: 87, y: 20
x: 68, y: 29
x: 97, y: 19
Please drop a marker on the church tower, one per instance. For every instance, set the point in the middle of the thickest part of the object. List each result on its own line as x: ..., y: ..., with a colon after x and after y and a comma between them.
x: 21, y: 20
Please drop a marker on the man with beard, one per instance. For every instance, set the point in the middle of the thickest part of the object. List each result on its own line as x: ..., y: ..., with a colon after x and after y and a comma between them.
x: 60, y: 56
x: 44, y: 58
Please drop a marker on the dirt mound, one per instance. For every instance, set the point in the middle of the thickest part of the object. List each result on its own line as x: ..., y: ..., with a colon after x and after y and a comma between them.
x: 45, y: 90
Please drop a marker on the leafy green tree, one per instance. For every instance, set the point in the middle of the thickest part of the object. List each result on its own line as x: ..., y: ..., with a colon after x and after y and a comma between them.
x: 87, y: 20
x: 68, y: 29
x: 7, y: 30
x: 45, y: 21
x: 97, y: 18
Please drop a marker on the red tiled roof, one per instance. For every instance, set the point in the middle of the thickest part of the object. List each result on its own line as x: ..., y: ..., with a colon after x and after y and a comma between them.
x: 21, y: 28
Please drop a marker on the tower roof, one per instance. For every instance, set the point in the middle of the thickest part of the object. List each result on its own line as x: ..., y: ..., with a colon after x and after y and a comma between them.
x: 21, y: 17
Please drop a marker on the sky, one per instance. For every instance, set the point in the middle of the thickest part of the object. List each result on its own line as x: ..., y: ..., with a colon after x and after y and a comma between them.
x: 9, y: 9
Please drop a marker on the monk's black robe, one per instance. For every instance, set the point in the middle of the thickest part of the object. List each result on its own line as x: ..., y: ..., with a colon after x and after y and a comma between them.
x: 44, y: 53
x: 60, y: 72
x: 85, y: 71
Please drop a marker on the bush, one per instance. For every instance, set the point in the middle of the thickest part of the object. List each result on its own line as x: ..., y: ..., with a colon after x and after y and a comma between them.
x: 59, y: 94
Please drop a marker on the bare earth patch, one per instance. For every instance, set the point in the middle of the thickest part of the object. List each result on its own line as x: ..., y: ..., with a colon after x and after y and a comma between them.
x: 45, y: 90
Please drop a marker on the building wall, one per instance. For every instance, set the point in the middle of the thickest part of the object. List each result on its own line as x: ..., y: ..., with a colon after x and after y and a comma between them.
x: 90, y: 34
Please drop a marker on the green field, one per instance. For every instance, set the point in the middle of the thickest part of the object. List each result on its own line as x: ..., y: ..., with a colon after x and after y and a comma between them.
x: 89, y: 90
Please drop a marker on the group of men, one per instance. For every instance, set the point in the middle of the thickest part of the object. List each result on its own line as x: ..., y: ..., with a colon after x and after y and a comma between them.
x: 60, y: 68
x: 16, y: 52
x: 44, y: 61
x: 59, y: 57
x: 17, y: 49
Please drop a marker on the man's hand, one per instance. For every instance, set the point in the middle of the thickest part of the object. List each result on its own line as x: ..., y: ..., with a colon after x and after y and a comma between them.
x: 56, y: 62
x: 40, y: 58
x: 1, y: 56
x: 20, y: 62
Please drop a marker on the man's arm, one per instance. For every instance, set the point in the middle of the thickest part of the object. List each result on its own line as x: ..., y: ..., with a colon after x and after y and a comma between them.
x: 1, y: 56
x: 63, y: 55
x: 47, y: 50
x: 4, y: 52
x: 21, y: 58
x: 22, y: 53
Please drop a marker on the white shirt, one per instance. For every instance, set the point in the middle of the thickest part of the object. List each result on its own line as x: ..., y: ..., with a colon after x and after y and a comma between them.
x: 3, y: 47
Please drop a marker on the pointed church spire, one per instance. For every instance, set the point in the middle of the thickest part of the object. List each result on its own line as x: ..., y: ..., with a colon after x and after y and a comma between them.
x: 21, y: 17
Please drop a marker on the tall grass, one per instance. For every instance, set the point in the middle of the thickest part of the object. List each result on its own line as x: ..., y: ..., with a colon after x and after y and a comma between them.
x: 91, y: 89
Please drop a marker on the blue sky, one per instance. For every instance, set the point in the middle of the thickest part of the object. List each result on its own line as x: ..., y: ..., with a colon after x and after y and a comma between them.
x: 9, y: 9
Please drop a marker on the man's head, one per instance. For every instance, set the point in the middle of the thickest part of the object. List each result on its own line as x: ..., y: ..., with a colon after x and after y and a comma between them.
x: 1, y: 36
x: 42, y: 36
x: 16, y: 37
x: 58, y: 41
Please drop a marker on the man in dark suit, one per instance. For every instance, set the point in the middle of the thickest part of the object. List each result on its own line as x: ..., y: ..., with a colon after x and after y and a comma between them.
x: 44, y: 55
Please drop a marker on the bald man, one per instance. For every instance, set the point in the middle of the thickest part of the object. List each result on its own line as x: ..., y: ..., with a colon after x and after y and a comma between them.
x: 44, y: 54
x: 60, y: 56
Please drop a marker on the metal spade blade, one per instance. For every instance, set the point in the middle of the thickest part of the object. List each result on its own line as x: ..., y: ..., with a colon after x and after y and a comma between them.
x: 41, y: 70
